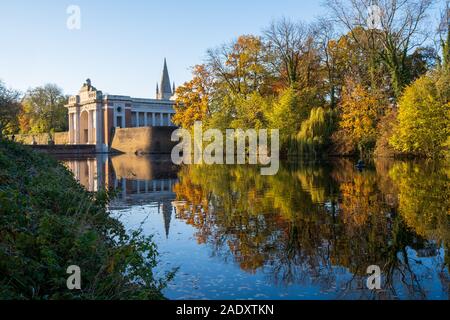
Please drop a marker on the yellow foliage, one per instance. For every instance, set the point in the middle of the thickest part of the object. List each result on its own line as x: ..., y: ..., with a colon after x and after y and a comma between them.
x: 423, y: 120
x: 192, y: 99
x: 359, y: 114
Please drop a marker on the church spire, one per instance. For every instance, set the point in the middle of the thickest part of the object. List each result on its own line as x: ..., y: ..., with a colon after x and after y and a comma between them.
x: 166, y: 92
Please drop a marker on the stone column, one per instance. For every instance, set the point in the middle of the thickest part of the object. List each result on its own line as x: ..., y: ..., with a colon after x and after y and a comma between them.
x: 94, y: 127
x: 153, y: 119
x: 127, y: 119
x: 71, y: 128
x: 99, y: 128
x: 90, y: 126
x: 145, y: 119
x: 161, y: 118
x: 77, y: 126
x: 107, y: 123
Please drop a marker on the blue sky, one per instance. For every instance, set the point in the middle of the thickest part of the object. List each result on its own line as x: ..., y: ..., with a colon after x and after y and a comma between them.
x: 121, y: 44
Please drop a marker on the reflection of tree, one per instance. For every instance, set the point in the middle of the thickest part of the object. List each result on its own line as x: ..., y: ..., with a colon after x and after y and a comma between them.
x: 228, y: 208
x: 377, y: 233
x: 424, y: 203
x: 424, y: 199
x: 302, y: 223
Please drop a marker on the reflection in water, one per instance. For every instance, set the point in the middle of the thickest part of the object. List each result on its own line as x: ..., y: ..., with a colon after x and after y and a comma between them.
x: 309, y: 232
x: 135, y: 179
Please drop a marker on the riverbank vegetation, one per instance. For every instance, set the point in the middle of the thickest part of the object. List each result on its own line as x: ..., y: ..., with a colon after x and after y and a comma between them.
x: 49, y: 222
x: 360, y: 81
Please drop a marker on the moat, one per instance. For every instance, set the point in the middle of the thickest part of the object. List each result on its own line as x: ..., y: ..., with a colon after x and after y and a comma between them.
x: 310, y: 232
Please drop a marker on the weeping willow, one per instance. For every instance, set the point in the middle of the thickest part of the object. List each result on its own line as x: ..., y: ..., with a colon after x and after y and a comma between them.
x: 314, y: 135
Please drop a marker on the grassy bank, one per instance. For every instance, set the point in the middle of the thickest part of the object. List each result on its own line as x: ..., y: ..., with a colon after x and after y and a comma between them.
x: 49, y: 222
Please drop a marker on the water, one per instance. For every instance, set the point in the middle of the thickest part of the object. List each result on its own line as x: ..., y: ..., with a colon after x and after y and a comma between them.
x: 309, y: 232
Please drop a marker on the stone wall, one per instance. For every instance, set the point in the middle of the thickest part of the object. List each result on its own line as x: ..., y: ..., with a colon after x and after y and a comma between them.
x: 147, y: 140
x: 61, y: 138
x: 68, y: 150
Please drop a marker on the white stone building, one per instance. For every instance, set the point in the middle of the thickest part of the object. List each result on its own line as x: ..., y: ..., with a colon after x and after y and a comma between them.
x: 93, y: 116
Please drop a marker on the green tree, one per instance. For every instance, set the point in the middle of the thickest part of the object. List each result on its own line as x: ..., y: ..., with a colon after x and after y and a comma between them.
x: 291, y: 109
x: 423, y: 119
x: 315, y: 132
x: 251, y: 112
x: 223, y: 112
x: 423, y: 191
x: 44, y: 110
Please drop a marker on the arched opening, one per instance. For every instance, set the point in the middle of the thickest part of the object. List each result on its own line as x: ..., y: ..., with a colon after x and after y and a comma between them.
x: 84, y: 128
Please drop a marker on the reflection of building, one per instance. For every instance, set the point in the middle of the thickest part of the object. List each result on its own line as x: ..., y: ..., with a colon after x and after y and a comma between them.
x: 166, y: 207
x: 134, y: 176
x: 93, y: 115
x: 92, y: 173
x: 159, y: 191
x: 137, y: 180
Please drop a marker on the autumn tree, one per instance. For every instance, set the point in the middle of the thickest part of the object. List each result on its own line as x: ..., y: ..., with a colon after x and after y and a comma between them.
x: 343, y: 58
x: 311, y: 81
x: 359, y: 112
x: 192, y: 102
x: 239, y: 67
x: 350, y: 61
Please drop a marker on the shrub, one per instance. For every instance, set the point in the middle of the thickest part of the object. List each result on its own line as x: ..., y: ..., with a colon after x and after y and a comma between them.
x: 48, y: 222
